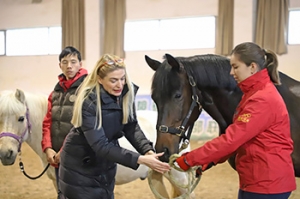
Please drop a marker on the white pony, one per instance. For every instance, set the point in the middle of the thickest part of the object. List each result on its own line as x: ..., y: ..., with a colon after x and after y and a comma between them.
x: 21, y: 116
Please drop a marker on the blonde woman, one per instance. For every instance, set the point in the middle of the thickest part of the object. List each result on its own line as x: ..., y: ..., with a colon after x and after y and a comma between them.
x: 104, y: 111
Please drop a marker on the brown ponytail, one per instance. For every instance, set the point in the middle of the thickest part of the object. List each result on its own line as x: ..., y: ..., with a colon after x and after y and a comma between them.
x: 250, y: 52
x: 272, y: 66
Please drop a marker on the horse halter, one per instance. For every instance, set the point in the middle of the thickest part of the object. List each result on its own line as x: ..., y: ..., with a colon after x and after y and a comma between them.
x: 180, y: 131
x: 20, y: 139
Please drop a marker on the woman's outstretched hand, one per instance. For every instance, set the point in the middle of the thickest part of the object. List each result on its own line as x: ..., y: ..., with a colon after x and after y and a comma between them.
x: 154, y: 163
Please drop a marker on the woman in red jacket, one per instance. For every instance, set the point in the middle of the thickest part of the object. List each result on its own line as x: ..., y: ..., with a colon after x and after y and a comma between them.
x: 260, y: 133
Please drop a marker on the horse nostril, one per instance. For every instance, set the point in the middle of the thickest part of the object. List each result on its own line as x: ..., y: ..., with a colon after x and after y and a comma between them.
x: 9, y: 154
x: 165, y: 157
x: 166, y: 151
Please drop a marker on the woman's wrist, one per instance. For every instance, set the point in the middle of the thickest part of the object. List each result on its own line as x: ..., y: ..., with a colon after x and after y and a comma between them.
x: 140, y: 159
x: 150, y: 152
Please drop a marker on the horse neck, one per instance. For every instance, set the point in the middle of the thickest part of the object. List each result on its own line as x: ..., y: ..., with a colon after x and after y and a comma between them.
x: 290, y: 92
x: 290, y: 88
x: 224, y: 100
x: 37, y: 106
x: 223, y: 106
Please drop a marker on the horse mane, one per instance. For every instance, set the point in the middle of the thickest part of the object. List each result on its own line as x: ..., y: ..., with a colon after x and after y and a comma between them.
x: 210, y: 70
x: 36, y: 103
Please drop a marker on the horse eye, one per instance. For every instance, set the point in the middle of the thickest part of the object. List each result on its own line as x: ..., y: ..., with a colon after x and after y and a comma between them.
x: 177, y: 95
x: 21, y: 119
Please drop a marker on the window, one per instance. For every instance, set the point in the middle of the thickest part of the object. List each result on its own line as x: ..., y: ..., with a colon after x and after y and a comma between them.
x: 2, y: 42
x: 33, y: 41
x: 183, y: 33
x: 188, y: 33
x: 141, y: 35
x: 294, y: 27
x: 55, y: 40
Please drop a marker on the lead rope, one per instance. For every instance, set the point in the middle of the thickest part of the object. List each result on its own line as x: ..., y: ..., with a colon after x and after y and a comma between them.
x: 191, y: 173
x: 22, y: 168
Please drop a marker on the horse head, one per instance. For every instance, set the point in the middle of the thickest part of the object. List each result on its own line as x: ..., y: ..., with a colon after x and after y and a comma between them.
x: 176, y: 99
x: 14, y: 124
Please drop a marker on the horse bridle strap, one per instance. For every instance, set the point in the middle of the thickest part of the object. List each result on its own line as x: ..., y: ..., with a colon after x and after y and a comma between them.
x: 20, y: 139
x: 180, y: 131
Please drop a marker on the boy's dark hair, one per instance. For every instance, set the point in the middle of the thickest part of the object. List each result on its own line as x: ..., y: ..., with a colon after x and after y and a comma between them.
x: 69, y: 50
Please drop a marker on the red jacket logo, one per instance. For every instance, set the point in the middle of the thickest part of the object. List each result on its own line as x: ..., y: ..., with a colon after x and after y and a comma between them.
x: 244, y: 117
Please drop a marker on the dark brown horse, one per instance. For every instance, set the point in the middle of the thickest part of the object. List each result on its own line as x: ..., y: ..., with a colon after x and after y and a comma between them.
x: 182, y: 86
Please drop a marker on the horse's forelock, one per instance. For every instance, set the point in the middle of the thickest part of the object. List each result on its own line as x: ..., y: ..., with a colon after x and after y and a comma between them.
x: 165, y: 81
x: 9, y: 104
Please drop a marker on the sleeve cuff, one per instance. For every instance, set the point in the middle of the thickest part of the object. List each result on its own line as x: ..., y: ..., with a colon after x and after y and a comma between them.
x: 182, y: 163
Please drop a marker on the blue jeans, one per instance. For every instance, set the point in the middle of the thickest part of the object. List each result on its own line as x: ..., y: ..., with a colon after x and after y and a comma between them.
x: 250, y: 195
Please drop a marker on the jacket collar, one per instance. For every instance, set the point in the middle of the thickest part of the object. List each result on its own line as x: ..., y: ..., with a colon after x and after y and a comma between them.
x: 108, y: 98
x: 255, y: 82
x: 66, y: 84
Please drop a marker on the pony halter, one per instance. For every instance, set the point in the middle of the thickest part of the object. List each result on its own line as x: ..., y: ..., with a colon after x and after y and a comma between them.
x: 20, y: 139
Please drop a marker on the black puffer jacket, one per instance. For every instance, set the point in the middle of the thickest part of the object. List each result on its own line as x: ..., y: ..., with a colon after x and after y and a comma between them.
x: 62, y: 108
x: 89, y: 156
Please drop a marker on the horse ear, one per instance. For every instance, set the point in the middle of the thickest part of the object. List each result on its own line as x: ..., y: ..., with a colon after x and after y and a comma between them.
x: 20, y: 95
x: 154, y: 64
x: 173, y: 62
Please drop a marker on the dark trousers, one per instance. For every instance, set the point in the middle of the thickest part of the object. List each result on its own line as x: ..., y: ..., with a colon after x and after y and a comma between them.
x: 250, y: 195
x: 57, y: 183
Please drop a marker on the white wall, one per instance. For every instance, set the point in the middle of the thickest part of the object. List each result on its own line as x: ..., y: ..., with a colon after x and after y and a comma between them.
x: 156, y: 9
x: 39, y: 73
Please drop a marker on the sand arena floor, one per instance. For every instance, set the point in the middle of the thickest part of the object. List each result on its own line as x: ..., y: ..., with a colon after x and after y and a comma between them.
x: 220, y: 182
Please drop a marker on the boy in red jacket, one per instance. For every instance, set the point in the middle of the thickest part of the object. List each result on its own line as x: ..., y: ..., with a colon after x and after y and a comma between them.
x: 57, y: 122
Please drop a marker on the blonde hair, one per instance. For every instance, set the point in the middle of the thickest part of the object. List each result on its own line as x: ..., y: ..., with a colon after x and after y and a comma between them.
x: 102, y: 68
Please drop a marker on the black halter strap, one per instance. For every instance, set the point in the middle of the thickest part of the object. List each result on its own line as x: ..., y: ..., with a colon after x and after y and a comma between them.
x: 180, y: 131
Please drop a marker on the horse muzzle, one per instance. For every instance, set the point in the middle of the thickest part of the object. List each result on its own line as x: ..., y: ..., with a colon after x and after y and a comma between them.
x: 8, y: 157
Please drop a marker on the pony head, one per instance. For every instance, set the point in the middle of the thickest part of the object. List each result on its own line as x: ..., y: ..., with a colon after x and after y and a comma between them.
x: 14, y: 124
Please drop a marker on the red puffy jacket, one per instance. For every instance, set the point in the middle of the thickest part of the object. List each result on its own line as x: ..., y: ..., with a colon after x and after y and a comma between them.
x: 260, y: 137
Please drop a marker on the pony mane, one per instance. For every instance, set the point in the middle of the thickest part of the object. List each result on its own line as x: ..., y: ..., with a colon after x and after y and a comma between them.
x: 212, y: 71
x: 37, y: 105
x: 10, y: 105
